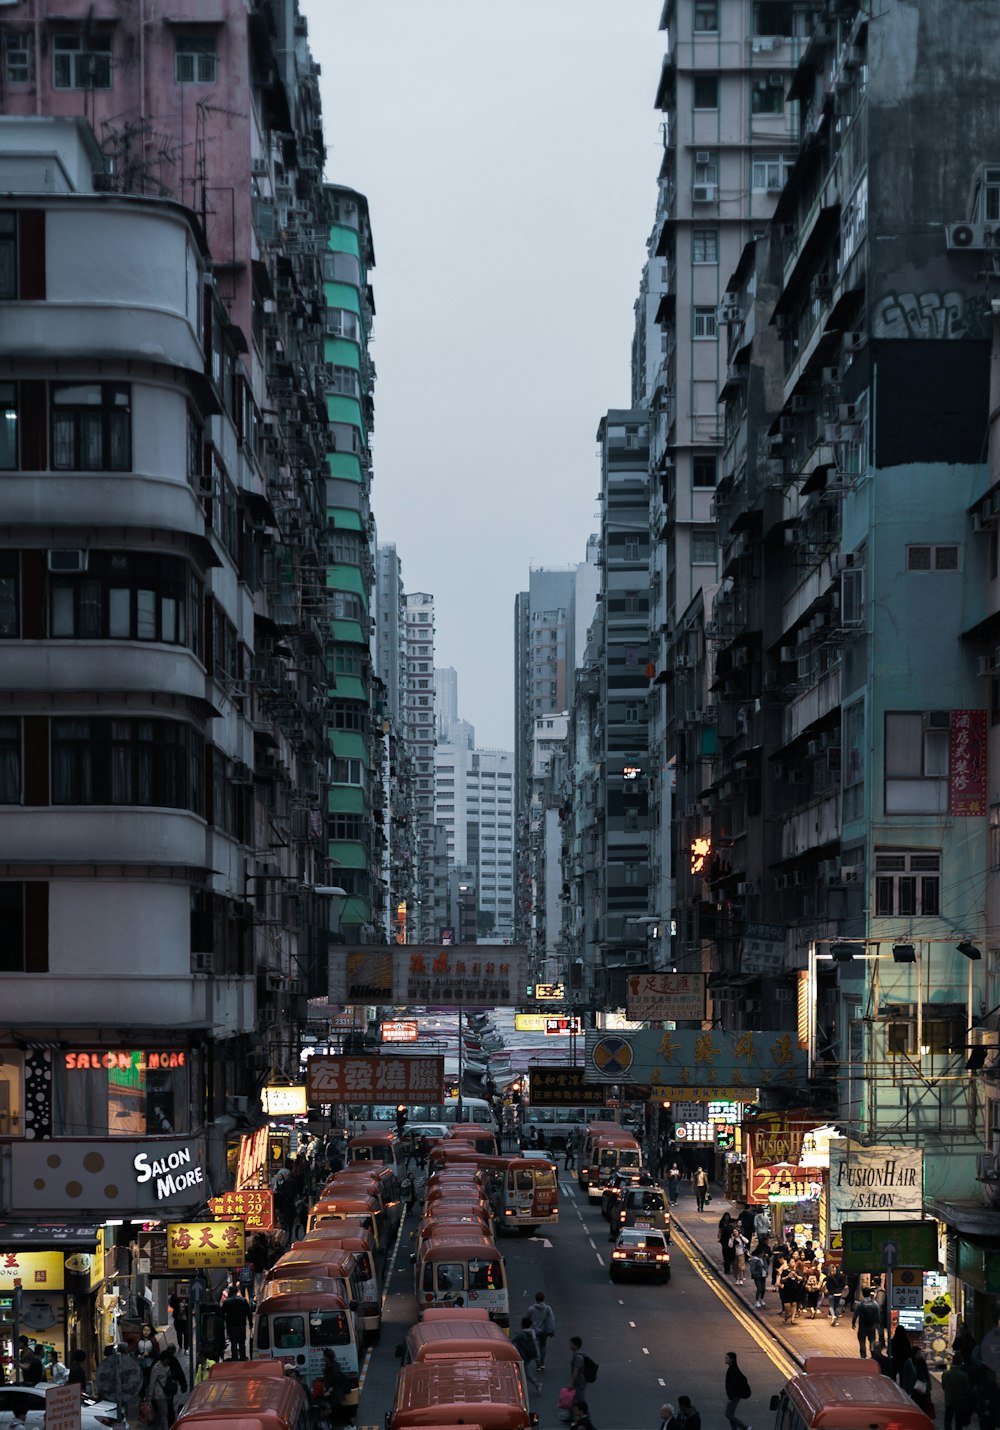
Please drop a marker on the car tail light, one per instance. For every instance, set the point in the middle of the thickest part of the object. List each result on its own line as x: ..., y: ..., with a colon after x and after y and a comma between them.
x: 662, y: 1256
x: 618, y: 1256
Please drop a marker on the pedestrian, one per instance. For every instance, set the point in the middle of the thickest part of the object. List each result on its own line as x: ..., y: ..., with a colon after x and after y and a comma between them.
x: 146, y: 1349
x: 526, y: 1342
x: 866, y: 1320
x: 758, y: 1275
x: 580, y: 1417
x: 725, y: 1236
x: 571, y: 1145
x: 814, y: 1289
x: 543, y: 1323
x: 901, y: 1349
x: 836, y: 1287
x: 674, y: 1183
x: 667, y: 1413
x: 700, y: 1187
x: 78, y: 1370
x: 685, y: 1417
x: 762, y: 1225
x: 34, y: 1372
x: 737, y: 1389
x: 203, y: 1369
x: 335, y: 1382
x: 740, y: 1249
x: 878, y: 1295
x: 747, y: 1219
x: 916, y: 1381
x: 55, y: 1371
x: 790, y: 1289
x: 964, y: 1343
x: 957, y: 1390
x: 236, y: 1317
x: 179, y: 1316
x: 577, y: 1380
x: 164, y: 1384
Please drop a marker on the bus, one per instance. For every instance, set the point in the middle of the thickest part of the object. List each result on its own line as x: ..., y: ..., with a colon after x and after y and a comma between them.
x: 374, y: 1117
x: 296, y: 1326
x: 847, y: 1393
x: 476, y: 1391
x: 245, y: 1401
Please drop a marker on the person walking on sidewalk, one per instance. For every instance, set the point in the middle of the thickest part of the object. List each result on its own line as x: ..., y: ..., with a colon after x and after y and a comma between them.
x: 957, y: 1390
x: 527, y: 1343
x: 674, y: 1183
x: 757, y: 1267
x: 790, y: 1288
x: 737, y: 1389
x: 543, y: 1323
x: 866, y: 1321
x: 726, y: 1228
x: 836, y: 1287
x: 701, y: 1187
x: 740, y: 1249
x: 814, y: 1289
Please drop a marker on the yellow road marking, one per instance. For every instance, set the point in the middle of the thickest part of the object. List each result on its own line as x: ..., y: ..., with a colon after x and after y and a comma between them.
x: 764, y: 1338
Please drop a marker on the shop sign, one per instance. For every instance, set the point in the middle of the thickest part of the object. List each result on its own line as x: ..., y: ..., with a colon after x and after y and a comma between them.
x: 121, y: 1060
x: 884, y: 1245
x: 693, y: 1131
x: 340, y: 1078
x: 115, y: 1176
x: 775, y: 1139
x: 907, y: 1289
x: 874, y: 1182
x: 967, y: 763
x: 251, y: 1165
x: 688, y: 1112
x: 63, y: 1407
x: 692, y: 1060
x: 400, y: 1030
x: 562, y: 1027
x: 978, y: 1267
x: 279, y: 1100
x: 35, y: 1270
x: 554, y: 1086
x: 783, y: 1183
x: 153, y: 1249
x: 550, y: 992
x: 255, y: 1209
x: 196, y: 1245
x: 762, y: 948
x: 725, y: 1111
x: 411, y: 974
x: 665, y: 997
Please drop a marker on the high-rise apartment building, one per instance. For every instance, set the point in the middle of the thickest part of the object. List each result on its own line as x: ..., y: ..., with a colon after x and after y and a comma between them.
x: 474, y: 801
x: 450, y: 729
x: 418, y: 725
x: 400, y: 853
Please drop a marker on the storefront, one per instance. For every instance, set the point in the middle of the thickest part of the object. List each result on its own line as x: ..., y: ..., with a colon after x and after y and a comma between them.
x: 49, y: 1279
x: 970, y: 1259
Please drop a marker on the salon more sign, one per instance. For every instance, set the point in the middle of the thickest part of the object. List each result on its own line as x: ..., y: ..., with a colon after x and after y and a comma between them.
x: 874, y: 1183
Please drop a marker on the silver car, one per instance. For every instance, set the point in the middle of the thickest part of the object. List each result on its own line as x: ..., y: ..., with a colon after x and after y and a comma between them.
x: 25, y: 1405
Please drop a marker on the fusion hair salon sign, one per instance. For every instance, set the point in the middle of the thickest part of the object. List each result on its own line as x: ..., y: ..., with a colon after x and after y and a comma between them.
x: 873, y: 1183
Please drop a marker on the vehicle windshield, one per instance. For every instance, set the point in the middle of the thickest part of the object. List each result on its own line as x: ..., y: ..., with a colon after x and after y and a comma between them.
x: 650, y: 1241
x: 329, y: 1328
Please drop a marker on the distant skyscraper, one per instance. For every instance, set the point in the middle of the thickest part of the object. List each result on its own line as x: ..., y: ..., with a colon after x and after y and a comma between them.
x: 418, y: 725
x: 450, y: 728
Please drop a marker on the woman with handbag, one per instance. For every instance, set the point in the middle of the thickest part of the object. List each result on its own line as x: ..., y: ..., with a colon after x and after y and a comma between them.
x: 146, y: 1350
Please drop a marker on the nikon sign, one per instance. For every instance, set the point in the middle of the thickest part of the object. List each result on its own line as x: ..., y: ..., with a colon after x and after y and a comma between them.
x: 874, y: 1183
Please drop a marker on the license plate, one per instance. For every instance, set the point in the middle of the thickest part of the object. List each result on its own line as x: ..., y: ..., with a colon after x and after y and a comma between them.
x: 644, y: 1222
x: 642, y: 1256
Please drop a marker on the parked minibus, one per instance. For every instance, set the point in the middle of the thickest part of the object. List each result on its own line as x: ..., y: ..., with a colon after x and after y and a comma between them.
x: 362, y: 1245
x: 481, y: 1139
x: 844, y: 1393
x: 529, y: 1195
x: 472, y: 1392
x: 459, y: 1337
x: 597, y: 1128
x: 463, y: 1270
x: 246, y: 1401
x: 608, y: 1154
x: 296, y: 1326
x: 352, y: 1202
x: 376, y: 1147
x: 377, y: 1178
x: 333, y: 1264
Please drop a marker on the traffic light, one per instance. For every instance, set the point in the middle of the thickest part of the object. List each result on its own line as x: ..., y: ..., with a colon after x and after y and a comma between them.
x: 530, y: 990
x: 400, y: 1116
x: 515, y: 1092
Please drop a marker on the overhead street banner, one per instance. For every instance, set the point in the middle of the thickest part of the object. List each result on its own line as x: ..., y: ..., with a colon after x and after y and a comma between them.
x: 562, y: 1087
x: 665, y: 997
x: 689, y: 1059
x: 884, y: 1245
x: 341, y: 1078
x: 874, y: 1183
x: 464, y: 975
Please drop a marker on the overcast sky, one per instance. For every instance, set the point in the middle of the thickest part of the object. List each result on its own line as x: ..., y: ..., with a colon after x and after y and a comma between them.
x: 509, y: 154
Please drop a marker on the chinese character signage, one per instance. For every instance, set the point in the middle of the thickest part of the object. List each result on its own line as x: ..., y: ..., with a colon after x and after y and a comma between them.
x: 705, y: 1065
x: 255, y: 1209
x: 36, y: 1270
x: 400, y: 1030
x: 875, y: 1245
x: 340, y: 1078
x: 196, y: 1244
x: 281, y: 1101
x: 665, y: 997
x: 874, y: 1182
x: 783, y: 1183
x: 461, y: 975
x: 967, y: 765
x: 550, y: 992
x: 775, y: 1139
x: 251, y: 1166
x: 563, y: 1087
x: 561, y: 1027
x: 762, y: 948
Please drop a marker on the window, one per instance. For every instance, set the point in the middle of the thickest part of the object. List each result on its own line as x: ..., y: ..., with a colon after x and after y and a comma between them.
x: 993, y: 837
x: 346, y: 606
x: 942, y: 1030
x: 705, y: 323
x: 348, y: 715
x: 770, y: 174
x: 76, y: 67
x: 342, y: 323
x: 341, y: 268
x: 343, y: 380
x: 134, y: 762
x: 10, y: 603
x: 8, y: 418
x: 128, y: 1100
x: 125, y: 596
x: 768, y: 95
x: 348, y: 826
x: 24, y: 927
x: 705, y: 245
x: 932, y: 558
x: 706, y: 169
x: 706, y: 15
x: 991, y: 196
x: 10, y: 763
x: 194, y: 60
x: 631, y: 548
x: 907, y: 883
x: 706, y: 91
x: 17, y: 56
x: 703, y: 548
x: 91, y: 427
x: 631, y: 712
x: 916, y: 761
x: 8, y: 256
x: 703, y: 470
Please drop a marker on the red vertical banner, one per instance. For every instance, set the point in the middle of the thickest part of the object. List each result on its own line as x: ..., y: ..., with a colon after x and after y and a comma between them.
x: 967, y: 763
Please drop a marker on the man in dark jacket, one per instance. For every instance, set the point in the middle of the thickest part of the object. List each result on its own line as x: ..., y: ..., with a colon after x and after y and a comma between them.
x: 236, y: 1315
x: 737, y: 1389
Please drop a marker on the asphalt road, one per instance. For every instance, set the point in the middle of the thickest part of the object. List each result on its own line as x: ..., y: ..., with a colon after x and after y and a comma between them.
x: 651, y: 1342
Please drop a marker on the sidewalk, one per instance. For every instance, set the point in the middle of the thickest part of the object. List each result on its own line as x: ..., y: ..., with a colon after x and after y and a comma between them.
x: 806, y: 1337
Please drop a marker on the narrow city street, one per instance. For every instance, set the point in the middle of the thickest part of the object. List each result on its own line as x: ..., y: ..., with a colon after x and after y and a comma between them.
x: 651, y: 1342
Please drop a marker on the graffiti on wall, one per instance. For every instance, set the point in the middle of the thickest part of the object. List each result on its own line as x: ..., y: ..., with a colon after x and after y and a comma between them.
x: 935, y: 313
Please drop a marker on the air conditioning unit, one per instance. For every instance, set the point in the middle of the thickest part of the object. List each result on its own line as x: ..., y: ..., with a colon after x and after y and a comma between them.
x: 729, y: 313
x: 970, y: 236
x: 853, y: 342
x: 258, y: 168
x: 237, y: 1106
x: 812, y: 749
x: 987, y: 1167
x: 704, y: 193
x: 744, y: 889
x: 776, y: 80
x: 703, y: 156
x: 775, y: 443
x: 788, y: 652
x: 782, y: 995
x: 801, y: 402
x: 67, y: 562
x: 202, y: 962
x: 840, y: 561
x: 984, y: 1037
x: 781, y: 882
x: 937, y: 720
x: 830, y: 376
x: 849, y: 412
x: 986, y: 665
x: 851, y: 873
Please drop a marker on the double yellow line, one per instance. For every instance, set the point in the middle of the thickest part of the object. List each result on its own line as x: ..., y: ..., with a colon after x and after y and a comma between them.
x: 764, y: 1338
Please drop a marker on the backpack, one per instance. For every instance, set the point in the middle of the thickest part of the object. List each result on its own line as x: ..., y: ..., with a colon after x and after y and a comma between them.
x: 868, y: 1312
x: 590, y: 1369
x: 745, y: 1391
x: 170, y: 1386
